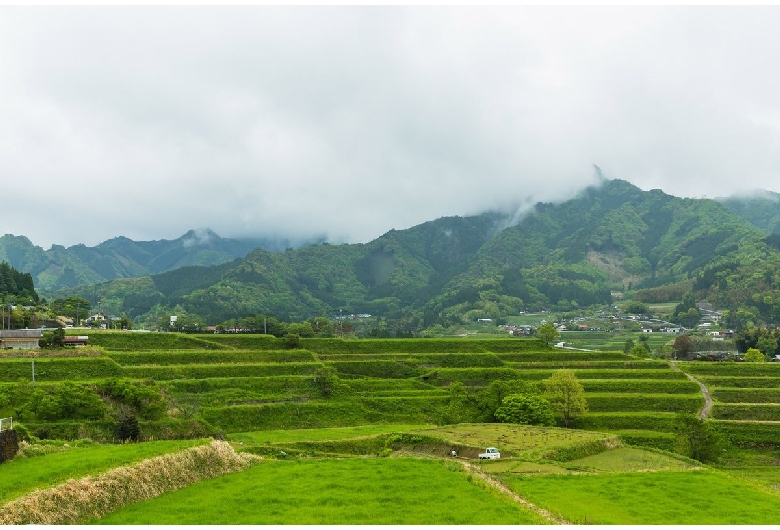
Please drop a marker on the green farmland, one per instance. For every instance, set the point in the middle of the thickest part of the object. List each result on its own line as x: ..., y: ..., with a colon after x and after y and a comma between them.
x: 398, y: 399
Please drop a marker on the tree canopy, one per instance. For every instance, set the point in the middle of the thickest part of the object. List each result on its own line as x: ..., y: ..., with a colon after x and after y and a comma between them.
x: 566, y: 396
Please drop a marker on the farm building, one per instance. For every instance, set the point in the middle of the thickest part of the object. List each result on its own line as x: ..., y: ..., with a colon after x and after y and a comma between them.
x: 79, y: 340
x: 20, y: 339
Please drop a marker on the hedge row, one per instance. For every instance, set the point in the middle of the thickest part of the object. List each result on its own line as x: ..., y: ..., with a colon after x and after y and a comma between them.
x: 431, y: 392
x: 654, y: 386
x: 294, y: 384
x: 648, y: 402
x: 379, y: 385
x: 566, y: 355
x: 59, y: 369
x: 245, y: 342
x: 447, y: 360
x: 732, y: 369
x: 759, y: 412
x: 653, y: 421
x: 432, y: 345
x: 323, y: 414
x: 168, y: 357
x: 595, y: 365
x: 161, y: 373
x: 482, y: 376
x: 748, y: 434
x: 750, y: 395
x: 126, y: 340
x: 381, y: 369
x: 739, y: 382
x: 103, y: 431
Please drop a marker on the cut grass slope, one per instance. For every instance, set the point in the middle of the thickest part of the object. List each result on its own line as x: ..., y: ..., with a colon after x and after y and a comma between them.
x: 326, y: 492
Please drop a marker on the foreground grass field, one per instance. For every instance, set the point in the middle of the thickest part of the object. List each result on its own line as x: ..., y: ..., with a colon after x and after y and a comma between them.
x: 701, y: 497
x: 327, y: 409
x: 23, y: 475
x: 565, y: 475
x: 349, y: 491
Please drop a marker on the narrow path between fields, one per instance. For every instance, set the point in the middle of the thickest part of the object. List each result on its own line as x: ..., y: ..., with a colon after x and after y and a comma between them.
x: 705, y: 411
x: 475, y: 471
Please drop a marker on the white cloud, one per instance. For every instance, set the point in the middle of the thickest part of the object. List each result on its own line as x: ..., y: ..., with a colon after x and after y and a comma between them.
x: 349, y: 121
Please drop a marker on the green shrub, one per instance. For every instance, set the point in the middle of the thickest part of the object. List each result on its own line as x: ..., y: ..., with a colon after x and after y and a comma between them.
x: 525, y: 409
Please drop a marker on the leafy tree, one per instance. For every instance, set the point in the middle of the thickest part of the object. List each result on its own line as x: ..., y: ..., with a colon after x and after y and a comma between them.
x: 697, y: 439
x: 302, y: 329
x: 143, y: 398
x: 547, y: 333
x: 322, y: 327
x: 754, y: 355
x: 458, y: 407
x: 683, y: 345
x: 75, y: 307
x: 636, y: 308
x: 767, y: 345
x: 525, y: 409
x: 492, y: 396
x: 628, y: 346
x: 566, y: 396
x: 292, y: 341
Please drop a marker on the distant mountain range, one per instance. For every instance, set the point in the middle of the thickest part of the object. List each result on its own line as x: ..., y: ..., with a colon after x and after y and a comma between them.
x: 121, y: 257
x: 611, y: 238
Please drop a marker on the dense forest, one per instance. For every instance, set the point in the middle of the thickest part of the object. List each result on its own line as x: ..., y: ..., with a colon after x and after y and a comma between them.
x: 16, y: 286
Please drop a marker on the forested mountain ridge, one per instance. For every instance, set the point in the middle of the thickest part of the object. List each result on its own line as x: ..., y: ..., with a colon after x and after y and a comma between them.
x: 121, y: 257
x: 761, y: 208
x: 613, y: 237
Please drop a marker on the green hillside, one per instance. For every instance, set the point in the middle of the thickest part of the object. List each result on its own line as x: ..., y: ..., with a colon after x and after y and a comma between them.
x: 614, y: 237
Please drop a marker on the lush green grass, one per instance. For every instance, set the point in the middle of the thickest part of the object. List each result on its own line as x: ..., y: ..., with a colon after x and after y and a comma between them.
x: 629, y: 459
x: 613, y: 341
x: 306, y: 435
x: 528, y: 442
x: 23, y: 475
x: 347, y: 491
x: 667, y: 497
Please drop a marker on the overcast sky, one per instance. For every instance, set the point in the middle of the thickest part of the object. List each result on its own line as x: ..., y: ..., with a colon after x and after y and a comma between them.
x: 350, y: 121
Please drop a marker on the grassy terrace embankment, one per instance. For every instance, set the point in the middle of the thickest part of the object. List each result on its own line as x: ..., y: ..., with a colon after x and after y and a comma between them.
x: 231, y: 383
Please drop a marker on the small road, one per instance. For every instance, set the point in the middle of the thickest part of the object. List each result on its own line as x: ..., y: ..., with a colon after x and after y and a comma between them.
x: 475, y: 471
x: 705, y: 411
